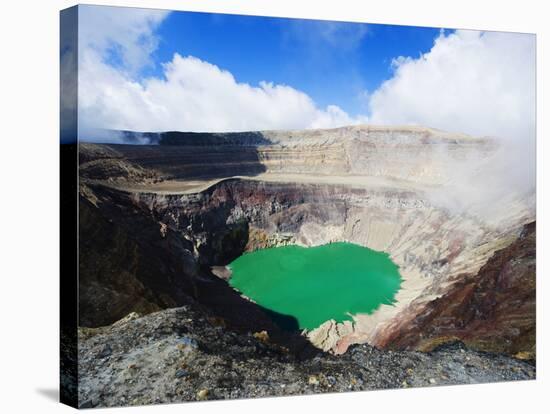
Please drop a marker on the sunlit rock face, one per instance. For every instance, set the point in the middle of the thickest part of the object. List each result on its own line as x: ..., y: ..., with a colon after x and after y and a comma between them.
x: 383, y: 188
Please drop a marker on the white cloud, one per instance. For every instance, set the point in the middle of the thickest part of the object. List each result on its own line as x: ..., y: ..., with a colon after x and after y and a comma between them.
x: 472, y: 82
x: 128, y: 31
x: 326, y: 37
x: 192, y: 95
x: 480, y: 83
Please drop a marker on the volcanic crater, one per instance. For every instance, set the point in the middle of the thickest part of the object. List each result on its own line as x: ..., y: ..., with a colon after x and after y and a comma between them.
x: 159, y: 223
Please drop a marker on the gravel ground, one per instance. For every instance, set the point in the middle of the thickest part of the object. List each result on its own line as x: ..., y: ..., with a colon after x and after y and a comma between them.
x: 183, y: 355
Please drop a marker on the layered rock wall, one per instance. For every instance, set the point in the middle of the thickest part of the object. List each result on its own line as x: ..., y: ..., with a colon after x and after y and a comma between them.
x: 414, y: 154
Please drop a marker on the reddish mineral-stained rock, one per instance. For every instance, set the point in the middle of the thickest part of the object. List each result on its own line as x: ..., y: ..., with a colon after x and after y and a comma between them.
x: 493, y: 310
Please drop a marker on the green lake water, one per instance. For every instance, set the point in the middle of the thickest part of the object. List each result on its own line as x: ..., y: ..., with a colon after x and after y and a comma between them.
x: 304, y: 287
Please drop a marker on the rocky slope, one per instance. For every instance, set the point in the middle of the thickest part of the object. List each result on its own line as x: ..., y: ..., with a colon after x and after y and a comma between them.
x: 157, y: 219
x: 494, y: 310
x: 185, y: 354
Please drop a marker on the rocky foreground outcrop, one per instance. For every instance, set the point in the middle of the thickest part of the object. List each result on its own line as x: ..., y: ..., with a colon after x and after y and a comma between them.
x: 156, y: 219
x: 186, y: 354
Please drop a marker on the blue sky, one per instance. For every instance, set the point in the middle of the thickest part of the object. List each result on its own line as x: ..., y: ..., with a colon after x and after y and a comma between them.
x: 155, y: 70
x: 333, y: 62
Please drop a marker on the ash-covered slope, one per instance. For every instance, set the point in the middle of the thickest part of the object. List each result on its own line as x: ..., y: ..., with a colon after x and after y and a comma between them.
x: 166, y: 215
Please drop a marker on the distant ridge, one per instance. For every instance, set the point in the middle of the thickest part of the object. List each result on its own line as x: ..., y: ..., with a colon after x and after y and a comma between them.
x: 269, y: 137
